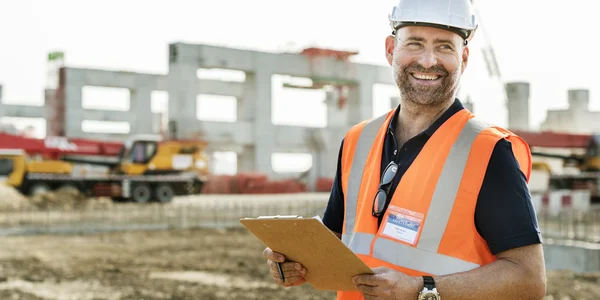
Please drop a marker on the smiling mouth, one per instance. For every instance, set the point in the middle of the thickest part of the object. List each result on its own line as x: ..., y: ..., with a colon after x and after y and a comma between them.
x: 430, y: 77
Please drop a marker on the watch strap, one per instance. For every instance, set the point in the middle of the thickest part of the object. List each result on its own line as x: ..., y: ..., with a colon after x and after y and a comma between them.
x: 429, y: 283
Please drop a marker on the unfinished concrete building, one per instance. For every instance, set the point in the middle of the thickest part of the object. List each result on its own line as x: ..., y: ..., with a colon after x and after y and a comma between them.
x: 577, y: 117
x: 253, y: 136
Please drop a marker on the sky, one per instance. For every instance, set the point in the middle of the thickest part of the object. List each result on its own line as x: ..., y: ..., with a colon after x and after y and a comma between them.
x: 546, y: 43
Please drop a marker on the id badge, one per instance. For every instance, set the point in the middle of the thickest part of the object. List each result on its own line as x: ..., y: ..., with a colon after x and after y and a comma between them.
x: 403, y: 224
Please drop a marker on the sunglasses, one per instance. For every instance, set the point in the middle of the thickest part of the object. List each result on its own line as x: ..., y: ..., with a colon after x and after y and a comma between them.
x: 384, y: 188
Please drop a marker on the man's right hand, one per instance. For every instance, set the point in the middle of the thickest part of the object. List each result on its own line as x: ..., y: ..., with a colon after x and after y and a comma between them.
x: 294, y: 272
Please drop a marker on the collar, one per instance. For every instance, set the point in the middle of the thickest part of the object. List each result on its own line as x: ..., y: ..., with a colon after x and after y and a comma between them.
x: 454, y: 108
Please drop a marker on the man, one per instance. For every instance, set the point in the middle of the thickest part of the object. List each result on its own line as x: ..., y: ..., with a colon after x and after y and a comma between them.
x: 434, y: 200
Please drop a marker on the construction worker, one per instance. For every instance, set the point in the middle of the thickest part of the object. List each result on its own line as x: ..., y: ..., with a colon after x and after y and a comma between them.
x: 430, y: 197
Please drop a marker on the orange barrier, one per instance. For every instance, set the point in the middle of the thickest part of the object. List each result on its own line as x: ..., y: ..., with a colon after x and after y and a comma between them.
x: 256, y: 183
x: 324, y: 185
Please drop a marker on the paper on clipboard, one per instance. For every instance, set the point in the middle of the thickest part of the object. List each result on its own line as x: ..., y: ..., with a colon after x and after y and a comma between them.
x: 330, y: 265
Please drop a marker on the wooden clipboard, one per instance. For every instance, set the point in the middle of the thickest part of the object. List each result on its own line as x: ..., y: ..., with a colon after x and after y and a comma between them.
x: 330, y: 265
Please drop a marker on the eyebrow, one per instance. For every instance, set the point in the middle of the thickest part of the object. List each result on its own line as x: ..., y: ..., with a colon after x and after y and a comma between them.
x: 437, y: 41
x: 415, y: 39
x: 443, y: 41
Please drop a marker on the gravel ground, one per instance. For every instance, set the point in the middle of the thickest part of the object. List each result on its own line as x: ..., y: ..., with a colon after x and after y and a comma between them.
x: 177, y: 264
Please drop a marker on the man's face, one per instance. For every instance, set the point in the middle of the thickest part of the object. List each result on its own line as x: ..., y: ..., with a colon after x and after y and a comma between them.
x: 427, y: 63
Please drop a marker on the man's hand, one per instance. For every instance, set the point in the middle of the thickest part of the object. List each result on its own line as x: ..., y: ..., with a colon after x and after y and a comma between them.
x: 294, y: 272
x: 388, y: 284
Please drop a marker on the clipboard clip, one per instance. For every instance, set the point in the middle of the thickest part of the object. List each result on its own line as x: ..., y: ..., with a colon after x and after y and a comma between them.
x: 280, y: 217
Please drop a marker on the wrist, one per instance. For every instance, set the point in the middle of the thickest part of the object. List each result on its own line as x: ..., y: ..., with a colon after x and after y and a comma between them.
x: 417, y: 286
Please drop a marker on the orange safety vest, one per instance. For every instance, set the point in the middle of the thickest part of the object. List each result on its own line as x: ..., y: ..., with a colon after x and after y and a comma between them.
x: 428, y: 228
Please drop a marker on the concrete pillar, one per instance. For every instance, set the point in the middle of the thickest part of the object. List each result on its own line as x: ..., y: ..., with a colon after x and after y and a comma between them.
x: 246, y: 161
x: 49, y: 104
x: 518, y: 105
x: 142, y: 122
x: 74, y: 111
x: 579, y: 100
x: 313, y: 172
x: 360, y: 102
x: 182, y: 87
x: 336, y: 116
x: 257, y: 98
x: 246, y: 105
x: 319, y: 144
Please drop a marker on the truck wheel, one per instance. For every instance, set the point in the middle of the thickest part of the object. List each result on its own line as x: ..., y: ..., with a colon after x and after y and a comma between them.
x: 141, y: 193
x: 39, y: 188
x: 164, y: 193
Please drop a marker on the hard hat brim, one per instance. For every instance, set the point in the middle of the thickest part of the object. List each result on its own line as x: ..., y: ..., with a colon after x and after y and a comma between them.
x: 463, y: 33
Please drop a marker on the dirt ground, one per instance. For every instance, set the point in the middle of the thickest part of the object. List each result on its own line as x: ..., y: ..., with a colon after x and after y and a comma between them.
x: 177, y: 265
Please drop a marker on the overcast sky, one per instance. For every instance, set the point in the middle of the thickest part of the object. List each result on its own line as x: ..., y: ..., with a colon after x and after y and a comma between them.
x: 544, y: 42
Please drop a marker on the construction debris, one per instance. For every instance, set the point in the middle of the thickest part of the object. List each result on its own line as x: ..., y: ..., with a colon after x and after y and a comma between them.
x: 66, y: 198
x: 12, y: 200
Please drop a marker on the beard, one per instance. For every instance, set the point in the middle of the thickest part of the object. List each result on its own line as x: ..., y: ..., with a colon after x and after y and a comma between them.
x: 432, y: 95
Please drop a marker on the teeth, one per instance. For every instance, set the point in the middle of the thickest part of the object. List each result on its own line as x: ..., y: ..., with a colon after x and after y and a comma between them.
x: 426, y: 77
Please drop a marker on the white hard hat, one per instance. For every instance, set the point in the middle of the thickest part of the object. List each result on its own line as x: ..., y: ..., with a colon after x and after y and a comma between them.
x: 453, y: 15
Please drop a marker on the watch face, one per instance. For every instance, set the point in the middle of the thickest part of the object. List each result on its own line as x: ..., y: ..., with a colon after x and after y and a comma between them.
x: 429, y: 295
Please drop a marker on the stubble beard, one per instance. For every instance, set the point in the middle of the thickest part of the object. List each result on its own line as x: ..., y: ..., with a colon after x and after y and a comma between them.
x: 426, y: 95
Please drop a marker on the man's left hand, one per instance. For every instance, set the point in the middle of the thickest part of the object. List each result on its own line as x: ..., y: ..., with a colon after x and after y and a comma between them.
x: 388, y: 284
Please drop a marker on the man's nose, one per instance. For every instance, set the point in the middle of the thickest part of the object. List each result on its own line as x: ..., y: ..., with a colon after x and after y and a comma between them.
x: 428, y: 59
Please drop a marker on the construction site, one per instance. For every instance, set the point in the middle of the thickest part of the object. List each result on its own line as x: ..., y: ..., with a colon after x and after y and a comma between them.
x: 146, y: 210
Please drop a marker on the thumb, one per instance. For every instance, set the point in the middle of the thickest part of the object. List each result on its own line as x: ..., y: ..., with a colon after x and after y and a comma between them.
x: 279, y: 257
x: 380, y: 270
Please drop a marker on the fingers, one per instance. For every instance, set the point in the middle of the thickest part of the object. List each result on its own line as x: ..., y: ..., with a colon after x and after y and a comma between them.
x: 274, y: 256
x: 286, y: 266
x: 292, y: 271
x: 367, y: 290
x: 292, y: 281
x: 370, y: 280
x: 288, y: 272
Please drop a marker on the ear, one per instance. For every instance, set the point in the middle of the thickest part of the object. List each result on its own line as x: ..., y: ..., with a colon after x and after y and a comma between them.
x: 389, y: 48
x: 465, y: 58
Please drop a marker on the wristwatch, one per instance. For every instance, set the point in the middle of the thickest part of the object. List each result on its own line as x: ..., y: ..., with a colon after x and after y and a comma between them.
x: 429, y: 291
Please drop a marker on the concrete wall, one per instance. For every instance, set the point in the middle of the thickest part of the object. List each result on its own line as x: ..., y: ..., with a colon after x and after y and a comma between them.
x: 572, y: 255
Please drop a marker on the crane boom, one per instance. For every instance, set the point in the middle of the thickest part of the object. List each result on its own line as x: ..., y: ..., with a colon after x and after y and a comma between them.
x: 550, y: 139
x: 54, y: 147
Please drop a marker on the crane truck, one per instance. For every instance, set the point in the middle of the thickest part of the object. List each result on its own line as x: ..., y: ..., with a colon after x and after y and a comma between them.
x: 587, y: 161
x: 143, y: 168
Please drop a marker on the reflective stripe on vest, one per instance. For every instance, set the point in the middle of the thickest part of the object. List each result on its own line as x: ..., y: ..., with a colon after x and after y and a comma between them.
x: 424, y: 256
x: 365, y: 140
x: 409, y: 257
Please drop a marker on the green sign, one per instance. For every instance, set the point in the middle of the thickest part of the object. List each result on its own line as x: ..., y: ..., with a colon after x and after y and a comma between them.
x: 55, y: 55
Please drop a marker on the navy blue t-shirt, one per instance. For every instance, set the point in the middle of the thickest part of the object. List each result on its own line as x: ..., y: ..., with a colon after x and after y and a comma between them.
x: 504, y: 215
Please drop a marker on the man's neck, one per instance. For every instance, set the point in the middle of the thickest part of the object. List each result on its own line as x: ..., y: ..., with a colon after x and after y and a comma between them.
x: 414, y: 119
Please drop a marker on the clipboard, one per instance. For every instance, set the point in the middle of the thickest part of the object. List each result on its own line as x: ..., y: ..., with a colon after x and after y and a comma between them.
x: 330, y: 265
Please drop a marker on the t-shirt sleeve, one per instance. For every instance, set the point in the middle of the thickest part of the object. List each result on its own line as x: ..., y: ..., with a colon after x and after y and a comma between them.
x: 504, y: 215
x: 333, y: 217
